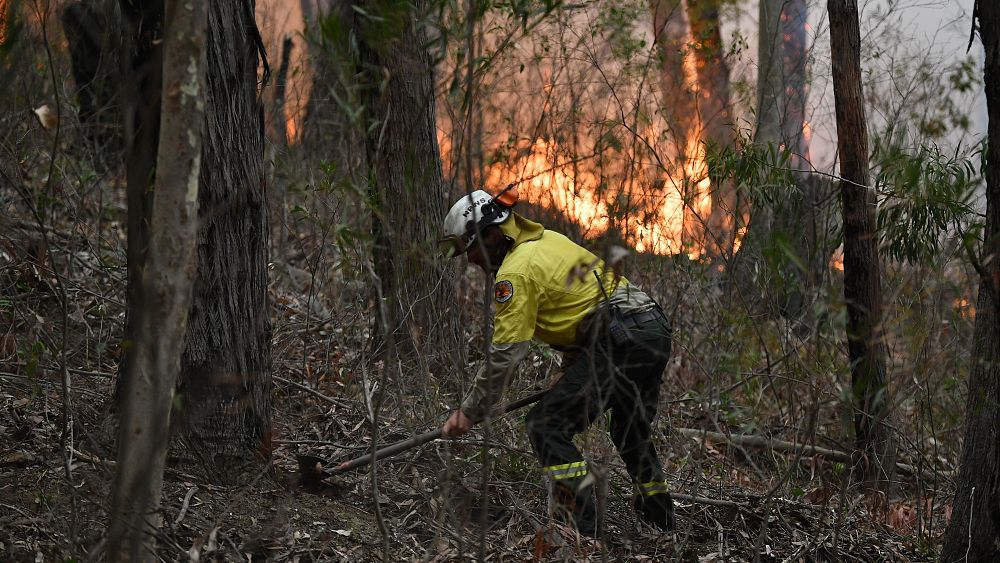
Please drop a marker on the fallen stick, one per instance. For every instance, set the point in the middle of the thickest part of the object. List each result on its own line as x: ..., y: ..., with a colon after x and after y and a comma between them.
x: 311, y: 468
x: 703, y: 500
x: 753, y: 441
x: 310, y: 390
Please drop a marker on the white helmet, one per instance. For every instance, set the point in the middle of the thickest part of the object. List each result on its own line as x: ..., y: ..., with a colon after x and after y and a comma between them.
x: 473, y: 213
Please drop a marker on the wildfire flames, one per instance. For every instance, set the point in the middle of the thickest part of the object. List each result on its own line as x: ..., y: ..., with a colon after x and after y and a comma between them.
x: 965, y: 308
x: 654, y: 222
x: 277, y: 19
x: 656, y: 196
x: 657, y: 218
x: 837, y: 259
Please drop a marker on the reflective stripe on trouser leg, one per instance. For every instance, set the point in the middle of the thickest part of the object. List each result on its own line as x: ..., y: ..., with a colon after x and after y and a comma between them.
x: 651, y: 488
x: 567, y: 470
x: 573, y: 496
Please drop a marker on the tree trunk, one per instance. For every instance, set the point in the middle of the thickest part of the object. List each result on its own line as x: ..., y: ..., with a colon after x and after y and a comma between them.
x: 792, y: 29
x: 680, y: 109
x: 141, y: 75
x: 88, y: 43
x: 974, y: 531
x: 862, y: 285
x: 225, y: 385
x: 715, y: 110
x: 768, y: 127
x: 280, y: 86
x: 781, y: 77
x: 788, y: 241
x: 279, y: 128
x: 802, y: 220
x: 326, y: 127
x: 407, y: 191
x: 169, y: 273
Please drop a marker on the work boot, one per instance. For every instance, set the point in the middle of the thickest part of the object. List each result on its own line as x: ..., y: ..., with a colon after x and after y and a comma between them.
x: 576, y: 505
x: 656, y: 510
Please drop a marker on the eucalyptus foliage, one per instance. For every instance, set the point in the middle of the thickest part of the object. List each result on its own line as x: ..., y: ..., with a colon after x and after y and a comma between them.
x: 926, y: 196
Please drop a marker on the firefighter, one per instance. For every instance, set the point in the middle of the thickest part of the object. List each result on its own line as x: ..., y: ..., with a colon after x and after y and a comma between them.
x: 615, y: 341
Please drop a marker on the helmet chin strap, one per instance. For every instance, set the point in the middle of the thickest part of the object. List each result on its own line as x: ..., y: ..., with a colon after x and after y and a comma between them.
x: 496, y: 252
x: 506, y: 244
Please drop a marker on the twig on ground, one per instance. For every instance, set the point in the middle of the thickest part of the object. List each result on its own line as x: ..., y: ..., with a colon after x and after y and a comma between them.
x: 707, y: 501
x: 184, y: 505
x: 111, y: 464
x: 16, y: 509
x: 793, y: 447
x: 318, y: 443
x: 311, y: 391
x: 52, y: 383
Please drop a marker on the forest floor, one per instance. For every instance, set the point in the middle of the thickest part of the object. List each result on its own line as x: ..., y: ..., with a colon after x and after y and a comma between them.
x: 733, y: 503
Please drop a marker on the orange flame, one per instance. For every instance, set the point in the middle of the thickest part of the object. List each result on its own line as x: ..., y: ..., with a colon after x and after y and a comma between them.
x: 546, y: 182
x: 4, y: 7
x: 667, y: 213
x: 965, y: 308
x: 291, y: 127
x: 276, y: 19
x: 837, y: 259
x: 654, y: 224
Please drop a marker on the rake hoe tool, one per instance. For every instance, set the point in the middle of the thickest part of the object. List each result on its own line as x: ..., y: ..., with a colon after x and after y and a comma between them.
x: 312, y: 469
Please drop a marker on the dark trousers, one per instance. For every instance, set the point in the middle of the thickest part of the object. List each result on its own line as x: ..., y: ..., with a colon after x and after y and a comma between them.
x: 601, y: 376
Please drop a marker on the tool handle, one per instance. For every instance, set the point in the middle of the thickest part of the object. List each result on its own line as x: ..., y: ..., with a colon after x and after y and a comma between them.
x: 420, y: 439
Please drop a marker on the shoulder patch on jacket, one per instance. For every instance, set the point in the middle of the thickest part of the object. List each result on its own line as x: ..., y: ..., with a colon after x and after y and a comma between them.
x: 503, y: 291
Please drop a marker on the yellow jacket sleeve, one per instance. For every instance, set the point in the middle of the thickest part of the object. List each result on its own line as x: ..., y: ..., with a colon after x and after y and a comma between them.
x: 516, y: 299
x: 492, y: 379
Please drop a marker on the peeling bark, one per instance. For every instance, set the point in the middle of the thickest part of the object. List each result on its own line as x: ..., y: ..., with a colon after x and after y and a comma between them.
x: 223, y: 407
x: 140, y: 80
x: 224, y: 391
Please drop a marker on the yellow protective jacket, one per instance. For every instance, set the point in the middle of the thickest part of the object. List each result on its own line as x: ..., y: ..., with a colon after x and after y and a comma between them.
x: 545, y: 288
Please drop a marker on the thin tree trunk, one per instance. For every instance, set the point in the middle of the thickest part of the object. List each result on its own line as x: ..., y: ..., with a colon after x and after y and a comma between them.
x: 280, y: 86
x: 680, y: 109
x: 715, y: 110
x: 862, y: 285
x: 792, y: 29
x: 768, y: 129
x: 279, y: 215
x: 803, y: 220
x: 140, y: 79
x: 88, y: 44
x: 407, y: 189
x: 800, y: 221
x: 225, y: 386
x: 974, y: 531
x: 169, y: 273
x: 325, y: 126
